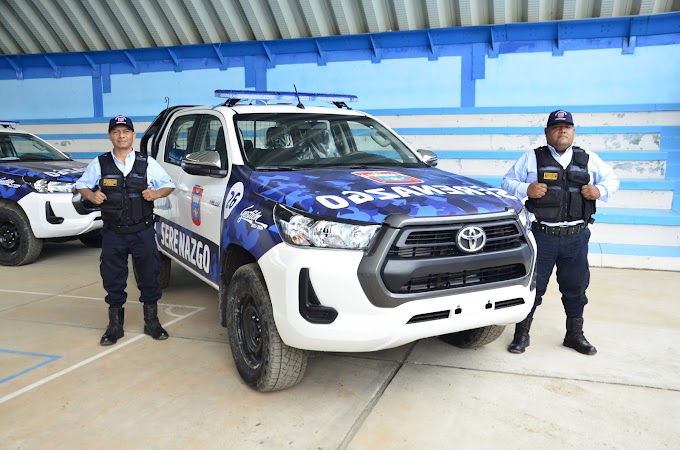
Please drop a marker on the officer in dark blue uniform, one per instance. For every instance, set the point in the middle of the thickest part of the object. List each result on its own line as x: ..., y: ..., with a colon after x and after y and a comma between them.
x: 562, y: 183
x: 128, y: 184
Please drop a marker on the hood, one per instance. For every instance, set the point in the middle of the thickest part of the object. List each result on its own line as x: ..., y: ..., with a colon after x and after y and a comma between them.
x: 370, y: 195
x: 68, y: 171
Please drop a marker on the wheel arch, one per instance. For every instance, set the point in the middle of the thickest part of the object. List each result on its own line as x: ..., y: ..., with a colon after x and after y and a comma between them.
x: 231, y: 259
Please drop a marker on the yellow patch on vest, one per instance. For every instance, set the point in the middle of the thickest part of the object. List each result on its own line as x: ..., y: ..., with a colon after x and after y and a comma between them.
x: 550, y: 176
x: 110, y: 182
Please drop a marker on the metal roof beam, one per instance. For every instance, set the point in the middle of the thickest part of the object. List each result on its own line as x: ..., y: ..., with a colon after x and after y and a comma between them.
x: 378, y: 17
x: 99, y: 33
x: 319, y: 18
x: 8, y: 45
x: 153, y: 18
x: 35, y: 22
x: 507, y: 11
x: 261, y: 22
x: 443, y: 13
x: 61, y: 26
x: 349, y: 17
x: 14, y: 27
x: 17, y: 68
x: 410, y: 14
x: 127, y: 18
x: 202, y: 15
x: 233, y: 20
x: 179, y: 20
x: 286, y: 16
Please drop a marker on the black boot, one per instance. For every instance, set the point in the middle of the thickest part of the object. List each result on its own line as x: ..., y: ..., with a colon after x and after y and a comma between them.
x: 115, y: 329
x: 152, y: 326
x: 521, y: 340
x: 575, y: 338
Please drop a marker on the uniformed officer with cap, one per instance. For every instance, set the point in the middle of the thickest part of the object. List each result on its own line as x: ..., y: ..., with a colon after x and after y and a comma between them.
x: 126, y: 184
x: 561, y: 183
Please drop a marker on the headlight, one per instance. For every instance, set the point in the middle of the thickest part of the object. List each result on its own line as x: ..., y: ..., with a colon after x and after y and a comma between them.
x: 44, y: 186
x: 304, y: 231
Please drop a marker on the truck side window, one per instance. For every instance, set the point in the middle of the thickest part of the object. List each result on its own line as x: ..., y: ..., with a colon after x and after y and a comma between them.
x: 210, y: 138
x: 179, y: 139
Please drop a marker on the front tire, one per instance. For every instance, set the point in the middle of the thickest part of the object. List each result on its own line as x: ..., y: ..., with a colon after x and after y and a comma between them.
x: 262, y: 359
x: 18, y: 244
x: 475, y: 338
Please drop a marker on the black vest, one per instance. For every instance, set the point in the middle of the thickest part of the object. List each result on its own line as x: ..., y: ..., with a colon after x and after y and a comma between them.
x: 125, y: 210
x: 563, y: 202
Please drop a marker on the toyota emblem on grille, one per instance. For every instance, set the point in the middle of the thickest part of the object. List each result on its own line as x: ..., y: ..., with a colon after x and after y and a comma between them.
x: 471, y: 239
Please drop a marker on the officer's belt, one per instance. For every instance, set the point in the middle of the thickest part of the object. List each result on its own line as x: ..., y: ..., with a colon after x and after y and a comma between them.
x: 130, y: 228
x: 565, y: 230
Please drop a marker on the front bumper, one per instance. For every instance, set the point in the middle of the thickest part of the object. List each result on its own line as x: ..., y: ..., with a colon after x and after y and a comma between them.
x: 360, y: 325
x: 58, y: 215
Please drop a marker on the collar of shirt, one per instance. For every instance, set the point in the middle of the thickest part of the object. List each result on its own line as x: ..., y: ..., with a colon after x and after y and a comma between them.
x: 125, y: 167
x: 563, y: 159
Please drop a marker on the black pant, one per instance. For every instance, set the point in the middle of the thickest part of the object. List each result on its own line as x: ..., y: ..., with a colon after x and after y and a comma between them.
x: 570, y: 255
x: 114, y: 264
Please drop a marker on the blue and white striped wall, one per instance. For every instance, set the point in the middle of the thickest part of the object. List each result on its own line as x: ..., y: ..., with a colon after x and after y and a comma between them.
x: 478, y: 96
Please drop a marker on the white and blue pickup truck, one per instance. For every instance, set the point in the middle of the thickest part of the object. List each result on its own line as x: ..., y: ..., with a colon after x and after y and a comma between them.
x: 37, y: 201
x: 323, y: 230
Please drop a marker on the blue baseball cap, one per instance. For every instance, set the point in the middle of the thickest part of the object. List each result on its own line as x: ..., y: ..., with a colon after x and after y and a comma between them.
x: 559, y: 116
x: 121, y: 120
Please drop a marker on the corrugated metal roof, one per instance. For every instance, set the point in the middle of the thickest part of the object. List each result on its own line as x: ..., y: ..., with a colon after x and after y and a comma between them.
x: 49, y: 26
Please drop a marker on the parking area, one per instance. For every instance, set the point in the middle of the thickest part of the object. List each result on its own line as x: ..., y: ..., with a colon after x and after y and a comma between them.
x: 60, y: 389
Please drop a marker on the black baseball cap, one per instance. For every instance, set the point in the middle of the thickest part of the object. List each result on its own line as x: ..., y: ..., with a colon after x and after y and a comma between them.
x: 559, y: 116
x: 121, y: 120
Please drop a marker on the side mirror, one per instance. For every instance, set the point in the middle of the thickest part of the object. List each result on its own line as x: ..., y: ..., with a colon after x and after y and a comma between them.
x: 429, y: 157
x: 204, y: 163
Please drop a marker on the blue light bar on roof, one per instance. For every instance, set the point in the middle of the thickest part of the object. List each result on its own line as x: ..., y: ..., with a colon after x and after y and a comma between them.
x: 8, y: 123
x: 266, y: 95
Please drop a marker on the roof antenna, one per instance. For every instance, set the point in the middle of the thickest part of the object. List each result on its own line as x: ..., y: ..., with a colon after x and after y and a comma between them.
x: 299, y: 105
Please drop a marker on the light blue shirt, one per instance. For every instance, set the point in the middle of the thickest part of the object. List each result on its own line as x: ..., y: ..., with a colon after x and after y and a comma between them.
x: 157, y: 178
x: 524, y: 172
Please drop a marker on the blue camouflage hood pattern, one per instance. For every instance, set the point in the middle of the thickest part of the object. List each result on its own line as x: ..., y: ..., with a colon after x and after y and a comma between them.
x: 14, y: 174
x: 369, y: 195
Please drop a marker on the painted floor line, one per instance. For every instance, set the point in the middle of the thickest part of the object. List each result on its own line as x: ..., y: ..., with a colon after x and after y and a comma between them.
x: 48, y: 359
x: 48, y: 294
x: 91, y: 359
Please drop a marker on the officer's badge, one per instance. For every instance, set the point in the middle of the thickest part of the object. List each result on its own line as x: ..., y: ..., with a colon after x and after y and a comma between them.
x: 550, y: 176
x: 109, y: 182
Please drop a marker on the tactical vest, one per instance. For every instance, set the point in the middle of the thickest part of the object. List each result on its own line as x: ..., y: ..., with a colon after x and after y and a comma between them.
x: 563, y: 201
x: 125, y: 210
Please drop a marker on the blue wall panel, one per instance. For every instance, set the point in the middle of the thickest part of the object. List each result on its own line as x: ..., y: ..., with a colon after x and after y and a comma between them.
x: 144, y: 94
x: 393, y: 83
x: 585, y: 77
x: 46, y: 98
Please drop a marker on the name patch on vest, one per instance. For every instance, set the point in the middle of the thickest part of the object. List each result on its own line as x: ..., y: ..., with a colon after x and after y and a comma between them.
x: 550, y: 176
x: 109, y: 182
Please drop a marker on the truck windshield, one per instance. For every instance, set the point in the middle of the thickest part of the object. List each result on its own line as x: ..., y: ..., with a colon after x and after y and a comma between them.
x: 24, y: 147
x: 315, y: 140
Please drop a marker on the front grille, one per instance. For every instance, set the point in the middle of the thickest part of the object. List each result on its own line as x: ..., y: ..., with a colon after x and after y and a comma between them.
x: 417, y: 258
x: 465, y: 278
x: 441, y: 242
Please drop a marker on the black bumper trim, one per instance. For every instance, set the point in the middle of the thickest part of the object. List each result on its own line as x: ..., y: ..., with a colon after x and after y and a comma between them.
x: 310, y: 308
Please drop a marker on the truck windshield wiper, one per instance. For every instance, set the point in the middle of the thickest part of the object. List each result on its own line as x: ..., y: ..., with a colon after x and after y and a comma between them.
x: 275, y: 168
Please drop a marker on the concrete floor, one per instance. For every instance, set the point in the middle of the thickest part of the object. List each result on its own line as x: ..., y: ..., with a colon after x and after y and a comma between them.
x: 59, y: 389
